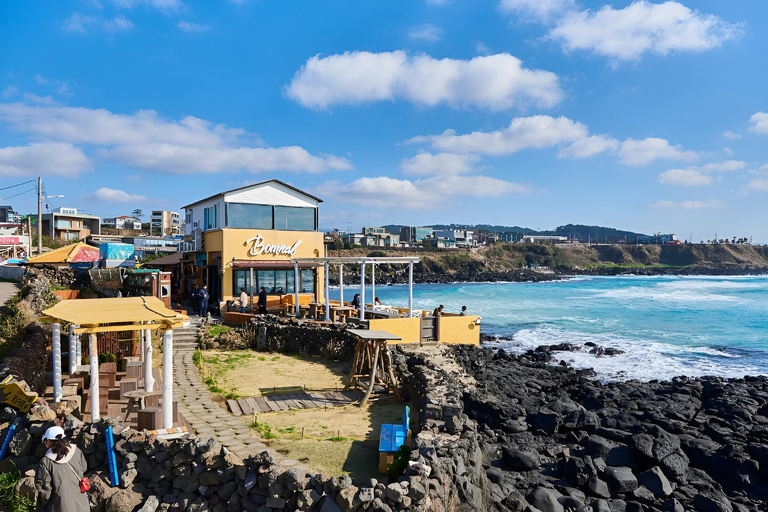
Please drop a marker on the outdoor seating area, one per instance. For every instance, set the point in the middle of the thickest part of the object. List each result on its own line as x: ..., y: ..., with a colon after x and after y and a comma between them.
x: 124, y: 383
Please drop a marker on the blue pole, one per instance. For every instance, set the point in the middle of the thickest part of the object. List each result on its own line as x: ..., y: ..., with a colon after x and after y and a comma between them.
x: 111, y: 462
x: 7, y: 441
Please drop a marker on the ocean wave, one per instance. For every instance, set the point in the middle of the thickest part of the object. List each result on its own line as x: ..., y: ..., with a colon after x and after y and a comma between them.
x: 634, y: 293
x: 642, y: 359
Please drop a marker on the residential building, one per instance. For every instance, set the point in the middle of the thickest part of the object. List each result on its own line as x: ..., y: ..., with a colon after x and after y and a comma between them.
x: 510, y: 237
x: 10, y: 221
x: 415, y: 235
x: 353, y: 238
x: 163, y: 223
x: 69, y: 224
x: 460, y: 237
x: 122, y: 222
x: 246, y: 237
x: 544, y: 239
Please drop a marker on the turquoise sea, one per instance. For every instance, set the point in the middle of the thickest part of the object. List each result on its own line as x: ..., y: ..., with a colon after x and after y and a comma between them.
x: 666, y: 325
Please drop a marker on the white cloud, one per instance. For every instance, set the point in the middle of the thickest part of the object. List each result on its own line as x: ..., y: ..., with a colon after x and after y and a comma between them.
x: 687, y: 205
x: 759, y: 184
x: 441, y: 164
x: 426, y: 32
x: 174, y: 159
x: 494, y: 81
x: 436, y: 2
x: 111, y: 195
x: 759, y: 123
x: 642, y: 152
x: 730, y: 135
x: 481, y: 48
x: 425, y: 194
x: 42, y: 100
x: 147, y: 141
x: 537, y: 9
x: 117, y: 24
x: 727, y: 166
x: 40, y: 79
x: 79, y: 23
x: 685, y: 177
x: 9, y: 92
x: 641, y: 27
x: 50, y: 158
x: 84, y: 24
x: 188, y: 26
x: 728, y: 151
x: 522, y: 133
x: 166, y: 6
x: 589, y: 146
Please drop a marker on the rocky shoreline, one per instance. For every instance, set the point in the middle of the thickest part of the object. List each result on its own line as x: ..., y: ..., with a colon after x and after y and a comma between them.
x: 561, y: 440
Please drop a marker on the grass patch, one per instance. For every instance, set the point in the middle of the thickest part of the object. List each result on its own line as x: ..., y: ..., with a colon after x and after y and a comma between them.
x: 8, y: 481
x: 263, y: 429
x: 337, y: 439
x: 197, y: 359
x: 218, y: 329
x: 262, y: 358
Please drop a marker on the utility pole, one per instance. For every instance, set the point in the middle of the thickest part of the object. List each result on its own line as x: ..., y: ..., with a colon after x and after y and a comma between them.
x: 39, y: 215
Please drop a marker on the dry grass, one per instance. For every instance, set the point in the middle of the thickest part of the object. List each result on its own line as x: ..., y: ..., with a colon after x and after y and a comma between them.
x: 248, y: 371
x: 336, y: 440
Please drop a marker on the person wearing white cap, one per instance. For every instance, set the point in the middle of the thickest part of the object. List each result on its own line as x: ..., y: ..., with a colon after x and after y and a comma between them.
x: 61, y: 486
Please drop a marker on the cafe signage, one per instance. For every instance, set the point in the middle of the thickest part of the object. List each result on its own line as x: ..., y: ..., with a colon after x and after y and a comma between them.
x: 259, y: 247
x: 9, y: 240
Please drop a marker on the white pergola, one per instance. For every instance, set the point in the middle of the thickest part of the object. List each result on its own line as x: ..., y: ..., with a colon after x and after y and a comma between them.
x: 363, y: 262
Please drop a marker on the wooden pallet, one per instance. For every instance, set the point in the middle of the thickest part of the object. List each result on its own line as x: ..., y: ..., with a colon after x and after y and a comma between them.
x: 277, y: 403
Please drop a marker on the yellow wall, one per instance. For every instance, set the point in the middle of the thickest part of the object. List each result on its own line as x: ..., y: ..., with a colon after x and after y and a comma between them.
x: 233, y: 243
x: 409, y: 329
x: 458, y: 329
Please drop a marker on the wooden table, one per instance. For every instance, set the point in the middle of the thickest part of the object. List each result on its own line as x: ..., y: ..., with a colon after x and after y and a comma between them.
x: 373, y: 361
x: 136, y: 400
x: 315, y: 309
x: 343, y: 311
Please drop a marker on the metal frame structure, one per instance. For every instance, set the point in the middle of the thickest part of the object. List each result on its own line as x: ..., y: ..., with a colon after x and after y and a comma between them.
x: 351, y: 260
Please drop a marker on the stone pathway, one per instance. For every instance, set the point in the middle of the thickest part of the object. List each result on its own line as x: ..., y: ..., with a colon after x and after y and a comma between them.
x: 7, y: 290
x: 202, y: 413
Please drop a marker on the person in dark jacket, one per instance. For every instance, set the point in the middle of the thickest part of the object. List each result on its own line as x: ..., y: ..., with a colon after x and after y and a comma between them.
x: 58, y: 475
x: 356, y: 301
x: 262, y: 302
x: 203, y: 294
x: 196, y: 299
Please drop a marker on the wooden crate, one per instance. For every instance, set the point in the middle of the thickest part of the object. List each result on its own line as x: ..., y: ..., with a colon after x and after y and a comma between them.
x: 150, y: 418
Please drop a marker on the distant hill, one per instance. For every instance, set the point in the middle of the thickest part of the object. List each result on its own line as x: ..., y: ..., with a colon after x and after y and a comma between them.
x: 575, y: 231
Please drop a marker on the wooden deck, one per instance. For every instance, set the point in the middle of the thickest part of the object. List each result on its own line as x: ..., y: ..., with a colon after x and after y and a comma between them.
x: 277, y: 403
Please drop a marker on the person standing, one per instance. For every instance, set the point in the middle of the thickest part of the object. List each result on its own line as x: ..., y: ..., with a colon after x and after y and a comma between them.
x: 262, y: 302
x: 463, y: 311
x: 196, y: 299
x: 243, y: 300
x: 58, y: 475
x: 356, y: 301
x: 203, y: 294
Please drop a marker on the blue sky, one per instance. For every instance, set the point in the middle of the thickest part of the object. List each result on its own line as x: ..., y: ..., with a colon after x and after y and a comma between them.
x: 639, y: 115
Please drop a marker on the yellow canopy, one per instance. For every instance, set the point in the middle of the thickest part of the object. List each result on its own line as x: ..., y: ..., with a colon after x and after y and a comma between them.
x: 64, y: 254
x: 121, y: 314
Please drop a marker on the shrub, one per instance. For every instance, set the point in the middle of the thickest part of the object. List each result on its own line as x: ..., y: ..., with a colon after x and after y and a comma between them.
x: 377, y: 254
x: 14, y: 503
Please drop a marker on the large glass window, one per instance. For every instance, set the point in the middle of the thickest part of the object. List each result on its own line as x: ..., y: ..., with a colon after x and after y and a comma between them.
x: 291, y: 218
x: 277, y: 282
x: 63, y: 224
x: 211, y: 217
x: 254, y: 216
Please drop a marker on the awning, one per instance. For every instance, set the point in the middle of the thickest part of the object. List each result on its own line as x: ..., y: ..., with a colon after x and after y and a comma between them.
x: 120, y: 314
x: 271, y: 265
x: 75, y: 253
x: 172, y: 259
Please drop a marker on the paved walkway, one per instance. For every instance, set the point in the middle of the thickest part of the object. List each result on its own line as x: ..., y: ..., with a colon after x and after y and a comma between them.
x: 7, y: 290
x: 197, y: 405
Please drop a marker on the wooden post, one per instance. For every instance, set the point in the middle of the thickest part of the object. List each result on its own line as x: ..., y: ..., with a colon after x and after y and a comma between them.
x: 56, y: 352
x: 72, y: 350
x: 93, y: 356
x: 373, y: 377
x: 168, y: 378
x: 149, y: 379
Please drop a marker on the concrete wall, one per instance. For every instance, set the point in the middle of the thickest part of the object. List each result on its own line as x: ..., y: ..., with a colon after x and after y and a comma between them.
x: 409, y: 329
x: 459, y: 329
x: 13, y: 273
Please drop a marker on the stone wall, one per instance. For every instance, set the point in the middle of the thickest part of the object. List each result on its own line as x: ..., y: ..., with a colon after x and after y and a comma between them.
x: 61, y: 276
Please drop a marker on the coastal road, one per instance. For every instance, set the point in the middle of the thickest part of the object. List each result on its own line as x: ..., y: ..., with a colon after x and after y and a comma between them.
x: 7, y: 290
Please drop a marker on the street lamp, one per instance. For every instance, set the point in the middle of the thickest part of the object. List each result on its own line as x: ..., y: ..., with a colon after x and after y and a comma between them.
x: 40, y: 198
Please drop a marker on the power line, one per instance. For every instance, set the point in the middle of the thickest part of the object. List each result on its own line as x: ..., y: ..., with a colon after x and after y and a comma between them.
x: 17, y: 185
x: 20, y: 193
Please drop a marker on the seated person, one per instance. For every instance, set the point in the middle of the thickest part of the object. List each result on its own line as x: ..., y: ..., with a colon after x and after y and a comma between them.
x: 376, y: 302
x: 438, y: 311
x: 356, y: 301
x: 463, y: 311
